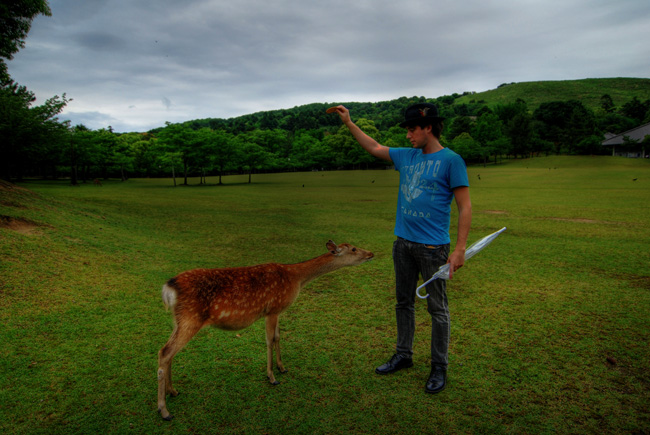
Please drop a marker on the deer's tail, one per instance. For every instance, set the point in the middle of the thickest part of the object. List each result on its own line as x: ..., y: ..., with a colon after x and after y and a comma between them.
x: 169, y: 295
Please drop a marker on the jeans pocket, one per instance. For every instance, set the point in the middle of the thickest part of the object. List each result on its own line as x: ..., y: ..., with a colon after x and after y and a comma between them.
x: 436, y: 253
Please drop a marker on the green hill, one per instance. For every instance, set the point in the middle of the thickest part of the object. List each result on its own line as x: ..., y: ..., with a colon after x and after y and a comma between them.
x: 587, y: 91
x: 386, y: 114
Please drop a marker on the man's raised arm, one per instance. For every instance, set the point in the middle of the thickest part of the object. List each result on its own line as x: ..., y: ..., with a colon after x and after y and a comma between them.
x: 367, y: 143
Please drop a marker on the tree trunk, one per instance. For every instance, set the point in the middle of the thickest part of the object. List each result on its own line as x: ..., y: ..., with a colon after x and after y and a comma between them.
x: 73, y: 175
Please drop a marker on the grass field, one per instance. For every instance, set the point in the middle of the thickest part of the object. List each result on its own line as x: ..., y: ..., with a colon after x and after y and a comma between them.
x: 550, y: 324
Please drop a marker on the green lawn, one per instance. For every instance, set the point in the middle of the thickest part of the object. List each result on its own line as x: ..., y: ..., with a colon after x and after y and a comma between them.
x: 550, y: 324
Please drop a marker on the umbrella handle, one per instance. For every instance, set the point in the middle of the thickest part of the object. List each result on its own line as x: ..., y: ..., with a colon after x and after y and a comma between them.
x: 417, y: 290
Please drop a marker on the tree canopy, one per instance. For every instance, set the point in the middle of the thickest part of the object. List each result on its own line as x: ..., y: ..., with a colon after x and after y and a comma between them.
x: 30, y: 136
x: 15, y: 21
x: 280, y: 140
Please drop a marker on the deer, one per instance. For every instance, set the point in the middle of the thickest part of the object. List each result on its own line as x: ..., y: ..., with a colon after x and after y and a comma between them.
x: 234, y: 298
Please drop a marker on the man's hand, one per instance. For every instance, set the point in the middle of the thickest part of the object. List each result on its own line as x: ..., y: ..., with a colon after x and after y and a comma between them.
x: 456, y: 260
x: 367, y: 143
x: 342, y: 111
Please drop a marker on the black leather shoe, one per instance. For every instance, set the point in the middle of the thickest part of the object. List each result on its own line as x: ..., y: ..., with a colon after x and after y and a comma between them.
x: 437, y: 380
x: 397, y: 362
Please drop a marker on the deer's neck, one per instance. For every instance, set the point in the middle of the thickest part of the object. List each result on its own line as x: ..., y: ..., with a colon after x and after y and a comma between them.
x: 309, y: 270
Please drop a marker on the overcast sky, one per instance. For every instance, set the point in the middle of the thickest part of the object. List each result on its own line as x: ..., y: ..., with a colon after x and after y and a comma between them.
x: 135, y: 64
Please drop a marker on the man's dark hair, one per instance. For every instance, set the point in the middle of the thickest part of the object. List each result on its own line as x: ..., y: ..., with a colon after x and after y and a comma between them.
x: 436, y: 127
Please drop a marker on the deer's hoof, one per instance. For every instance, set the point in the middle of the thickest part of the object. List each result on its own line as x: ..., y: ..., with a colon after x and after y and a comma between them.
x: 168, y: 418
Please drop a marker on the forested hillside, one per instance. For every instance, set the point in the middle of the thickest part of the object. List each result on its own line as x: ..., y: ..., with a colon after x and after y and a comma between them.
x: 386, y: 114
x: 514, y: 120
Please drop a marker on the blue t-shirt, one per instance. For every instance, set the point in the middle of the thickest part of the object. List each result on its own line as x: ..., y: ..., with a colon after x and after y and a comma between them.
x: 425, y: 193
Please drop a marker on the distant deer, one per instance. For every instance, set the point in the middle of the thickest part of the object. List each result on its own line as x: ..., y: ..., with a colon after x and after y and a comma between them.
x: 234, y: 298
x: 97, y: 182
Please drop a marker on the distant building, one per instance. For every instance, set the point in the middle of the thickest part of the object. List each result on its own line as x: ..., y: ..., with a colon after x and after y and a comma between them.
x: 623, y: 149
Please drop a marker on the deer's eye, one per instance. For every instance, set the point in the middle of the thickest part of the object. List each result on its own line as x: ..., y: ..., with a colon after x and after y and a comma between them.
x: 354, y: 249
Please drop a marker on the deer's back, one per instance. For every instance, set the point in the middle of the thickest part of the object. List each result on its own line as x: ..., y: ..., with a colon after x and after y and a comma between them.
x: 233, y: 298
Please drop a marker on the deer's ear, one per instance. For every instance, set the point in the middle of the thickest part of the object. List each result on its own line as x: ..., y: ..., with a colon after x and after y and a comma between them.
x: 331, y: 246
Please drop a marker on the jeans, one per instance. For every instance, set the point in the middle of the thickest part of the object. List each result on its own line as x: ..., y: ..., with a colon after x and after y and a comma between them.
x: 411, y: 260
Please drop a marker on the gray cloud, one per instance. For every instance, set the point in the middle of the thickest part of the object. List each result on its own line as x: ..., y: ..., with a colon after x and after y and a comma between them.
x: 99, y: 41
x: 225, y: 59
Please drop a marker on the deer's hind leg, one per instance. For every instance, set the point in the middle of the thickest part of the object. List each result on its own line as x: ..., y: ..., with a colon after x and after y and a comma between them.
x: 183, y: 333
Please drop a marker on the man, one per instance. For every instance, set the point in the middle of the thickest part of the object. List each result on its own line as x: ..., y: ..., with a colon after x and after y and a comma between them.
x: 430, y: 176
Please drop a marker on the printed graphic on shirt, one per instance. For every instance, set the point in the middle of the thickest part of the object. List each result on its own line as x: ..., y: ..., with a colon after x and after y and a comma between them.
x: 411, y: 189
x: 416, y: 181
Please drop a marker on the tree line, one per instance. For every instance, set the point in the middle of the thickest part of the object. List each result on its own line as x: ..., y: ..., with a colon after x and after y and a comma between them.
x: 34, y: 143
x: 299, y: 139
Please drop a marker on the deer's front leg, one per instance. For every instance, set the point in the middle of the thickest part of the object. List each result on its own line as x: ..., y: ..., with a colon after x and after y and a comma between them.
x: 278, y: 358
x: 272, y: 342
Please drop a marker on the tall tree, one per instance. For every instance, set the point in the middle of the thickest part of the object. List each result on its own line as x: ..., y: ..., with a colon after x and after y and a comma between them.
x: 487, y: 131
x: 308, y: 152
x: 460, y: 124
x: 29, y: 136
x: 636, y: 109
x: 123, y: 154
x: 224, y: 152
x: 105, y: 144
x: 465, y: 145
x: 146, y: 153
x: 579, y: 126
x: 565, y: 123
x: 79, y: 136
x: 177, y: 140
x: 15, y: 21
x: 520, y: 132
x: 253, y: 156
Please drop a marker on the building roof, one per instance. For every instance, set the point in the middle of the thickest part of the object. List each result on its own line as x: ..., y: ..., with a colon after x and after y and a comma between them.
x: 637, y: 133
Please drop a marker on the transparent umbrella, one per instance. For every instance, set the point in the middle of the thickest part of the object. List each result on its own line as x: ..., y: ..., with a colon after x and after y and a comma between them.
x: 443, y: 271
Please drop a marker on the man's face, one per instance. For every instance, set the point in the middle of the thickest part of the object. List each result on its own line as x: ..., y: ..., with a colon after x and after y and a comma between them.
x: 417, y: 136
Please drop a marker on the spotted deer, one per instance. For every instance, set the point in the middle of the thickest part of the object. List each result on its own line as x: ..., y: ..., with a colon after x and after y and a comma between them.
x: 234, y: 298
